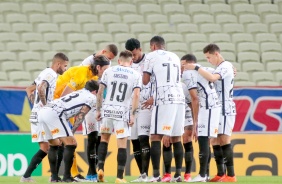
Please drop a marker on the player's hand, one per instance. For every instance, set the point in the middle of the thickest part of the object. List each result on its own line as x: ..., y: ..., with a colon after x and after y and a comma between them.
x: 148, y: 104
x: 195, y: 132
x: 234, y: 70
x: 98, y: 116
x: 189, y: 66
x: 131, y: 121
x: 166, y: 141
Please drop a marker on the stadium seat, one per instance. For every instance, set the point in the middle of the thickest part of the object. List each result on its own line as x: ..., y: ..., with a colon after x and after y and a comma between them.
x: 29, y: 56
x: 211, y: 2
x: 9, y: 7
x: 70, y: 28
x: 197, y: 46
x: 276, y: 28
x: 62, y: 46
x: 189, y: 2
x: 242, y: 76
x: 172, y: 37
x: 179, y: 18
x: 169, y: 9
x: 101, y: 37
x: 5, y: 27
x: 164, y: 28
x: 169, y: 2
x: 39, y: 18
x: 133, y: 19
x: 39, y: 46
x: 220, y: 9
x: 229, y: 56
x: 86, y: 47
x: 156, y: 18
x: 248, y: 57
x: 3, y: 76
x: 265, y: 9
x: 54, y: 37
x: 104, y: 8
x: 179, y: 53
x: 109, y: 18
x: 9, y: 66
x: 7, y: 83
x: 48, y: 56
x: 86, y: 18
x: 254, y: 28
x: 225, y: 18
x: 8, y: 56
x: 271, y: 57
x: 33, y: 66
x: 278, y: 77
x: 146, y: 9
x: 219, y: 37
x: 249, y: 18
x: 202, y: 18
x: 201, y: 59
x: 251, y: 67
x: 146, y: 47
x: 194, y: 9
x: 210, y: 28
x: 239, y: 9
x: 237, y: 66
x: 274, y: 67
x: 32, y: 7
x: 187, y: 28
x: 244, y: 83
x: 9, y: 37
x: 265, y: 37
x: 22, y: 27
x: 47, y: 27
x: 17, y: 46
x: 2, y: 47
x: 126, y: 8
x: 140, y: 28
x: 258, y: 2
x: 268, y: 83
x: 248, y: 47
x: 122, y: 37
x: 53, y: 8
x: 23, y: 83
x: 118, y: 28
x: 242, y: 37
x: 77, y: 37
x: 139, y: 2
x: 177, y: 46
x: 79, y: 8
x: 195, y: 37
x: 226, y: 47
x: 145, y: 37
x: 75, y: 56
x: 273, y: 18
x: 62, y: 18
x: 19, y: 76
x: 90, y: 28
x: 262, y: 76
x: 232, y: 28
x: 270, y: 47
x: 280, y: 38
x: 16, y: 17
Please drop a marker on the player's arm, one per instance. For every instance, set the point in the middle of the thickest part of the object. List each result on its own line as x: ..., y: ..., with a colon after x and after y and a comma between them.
x: 207, y: 75
x: 135, y: 101
x: 195, y: 111
x: 80, y: 117
x: 66, y: 91
x: 42, y: 92
x: 99, y: 101
x: 30, y: 92
x: 146, y: 78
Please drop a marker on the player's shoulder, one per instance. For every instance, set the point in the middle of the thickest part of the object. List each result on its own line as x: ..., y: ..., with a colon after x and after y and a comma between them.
x: 225, y: 64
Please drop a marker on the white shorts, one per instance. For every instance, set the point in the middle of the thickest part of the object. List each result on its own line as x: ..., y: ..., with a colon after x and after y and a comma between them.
x: 90, y: 124
x: 120, y: 128
x: 208, y: 121
x: 226, y: 124
x: 54, y: 126
x: 168, y: 119
x: 37, y: 132
x: 142, y: 124
x: 188, y: 118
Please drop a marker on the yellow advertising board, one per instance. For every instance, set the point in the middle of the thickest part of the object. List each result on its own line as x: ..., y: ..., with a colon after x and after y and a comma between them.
x: 254, y: 154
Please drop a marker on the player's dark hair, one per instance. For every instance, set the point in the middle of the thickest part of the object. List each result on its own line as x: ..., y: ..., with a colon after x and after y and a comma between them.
x: 126, y: 54
x: 91, y: 85
x: 132, y: 44
x: 189, y: 58
x: 100, y: 60
x: 211, y: 48
x: 158, y: 41
x: 61, y: 56
x: 113, y: 49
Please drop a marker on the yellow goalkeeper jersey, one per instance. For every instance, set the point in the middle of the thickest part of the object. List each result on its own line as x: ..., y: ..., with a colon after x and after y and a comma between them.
x: 75, y: 78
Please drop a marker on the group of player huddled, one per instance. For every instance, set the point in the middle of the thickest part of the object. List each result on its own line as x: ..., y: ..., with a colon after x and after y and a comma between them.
x: 149, y: 98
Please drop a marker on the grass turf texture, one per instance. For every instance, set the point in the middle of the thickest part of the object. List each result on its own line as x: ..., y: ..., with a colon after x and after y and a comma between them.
x: 111, y: 179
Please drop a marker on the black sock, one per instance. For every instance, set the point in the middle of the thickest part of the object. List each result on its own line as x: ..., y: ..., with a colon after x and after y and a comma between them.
x: 35, y: 161
x: 209, y: 160
x: 188, y: 155
x: 218, y: 156
x: 228, y: 155
x: 91, y: 152
x: 203, y: 154
x: 145, y: 153
x: 178, y: 156
x: 53, y: 161
x: 68, y: 159
x: 60, y: 155
x: 121, y: 160
x: 155, y: 157
x: 97, y: 146
x: 167, y: 157
x: 137, y: 153
x: 102, y: 153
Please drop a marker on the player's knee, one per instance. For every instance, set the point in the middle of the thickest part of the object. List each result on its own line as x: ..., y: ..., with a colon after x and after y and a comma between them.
x: 92, y: 138
x: 175, y: 139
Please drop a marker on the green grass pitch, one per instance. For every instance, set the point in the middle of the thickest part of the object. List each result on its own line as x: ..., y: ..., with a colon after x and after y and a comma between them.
x: 111, y: 179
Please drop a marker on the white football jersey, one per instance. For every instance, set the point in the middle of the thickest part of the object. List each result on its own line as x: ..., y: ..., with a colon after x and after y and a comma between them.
x: 224, y: 87
x: 70, y: 105
x: 187, y: 100
x: 165, y: 67
x: 120, y: 82
x: 88, y: 61
x: 146, y: 90
x: 206, y: 91
x: 50, y: 76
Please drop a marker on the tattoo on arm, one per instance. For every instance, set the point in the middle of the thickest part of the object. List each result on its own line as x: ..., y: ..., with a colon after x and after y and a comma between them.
x: 134, y: 111
x: 31, y: 98
x: 42, y: 92
x: 80, y: 117
x: 100, y: 97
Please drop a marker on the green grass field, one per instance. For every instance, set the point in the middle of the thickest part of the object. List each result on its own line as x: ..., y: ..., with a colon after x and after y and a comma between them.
x: 110, y: 179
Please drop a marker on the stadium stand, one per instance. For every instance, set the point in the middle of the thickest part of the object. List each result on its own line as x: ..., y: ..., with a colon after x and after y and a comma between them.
x: 249, y: 32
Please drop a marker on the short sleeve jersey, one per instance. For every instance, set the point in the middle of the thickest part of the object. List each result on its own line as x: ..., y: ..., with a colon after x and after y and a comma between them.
x: 146, y: 91
x: 50, y: 76
x: 75, y: 78
x: 206, y: 91
x: 120, y: 82
x: 165, y: 67
x: 224, y: 87
x: 70, y: 105
x: 187, y: 100
x: 88, y: 61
